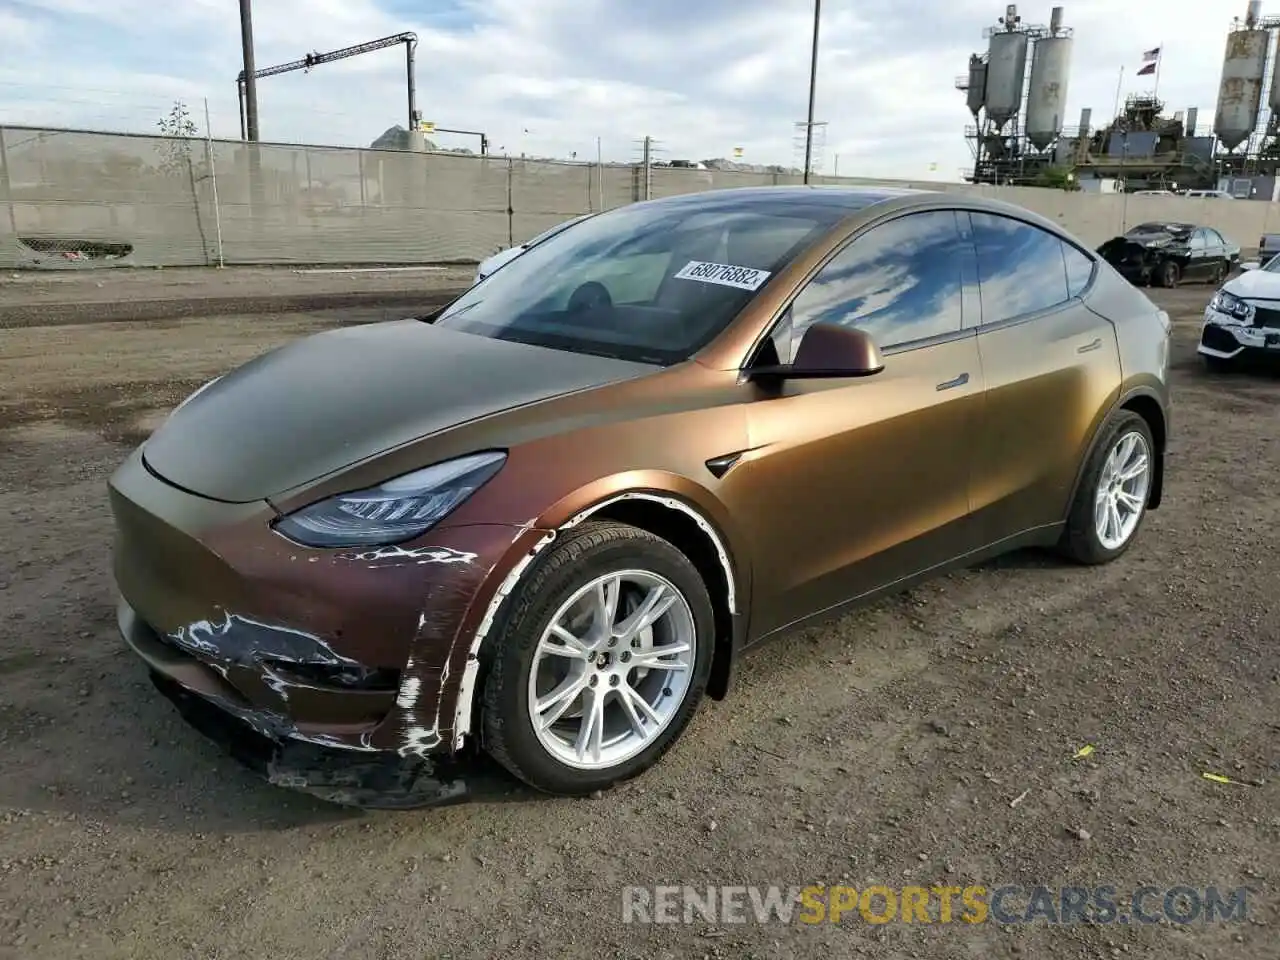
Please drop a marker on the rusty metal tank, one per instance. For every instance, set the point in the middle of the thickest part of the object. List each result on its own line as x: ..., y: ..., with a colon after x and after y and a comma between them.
x: 1006, y: 69
x: 976, y: 94
x: 1050, y: 73
x: 1240, y: 93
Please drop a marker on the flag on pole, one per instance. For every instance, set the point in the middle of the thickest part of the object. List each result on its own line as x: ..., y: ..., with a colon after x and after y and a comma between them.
x: 1152, y: 54
x: 1147, y: 70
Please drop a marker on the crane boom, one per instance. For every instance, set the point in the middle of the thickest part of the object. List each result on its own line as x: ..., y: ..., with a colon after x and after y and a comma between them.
x: 408, y: 38
x: 315, y: 59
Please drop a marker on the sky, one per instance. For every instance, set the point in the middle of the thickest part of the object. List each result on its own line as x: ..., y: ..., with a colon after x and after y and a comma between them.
x: 567, y: 77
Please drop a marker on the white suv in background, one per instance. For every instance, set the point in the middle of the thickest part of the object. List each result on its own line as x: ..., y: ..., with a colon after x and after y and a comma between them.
x: 503, y: 257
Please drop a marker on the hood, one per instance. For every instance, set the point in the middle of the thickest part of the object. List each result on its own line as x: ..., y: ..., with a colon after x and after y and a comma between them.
x: 1255, y: 285
x: 330, y: 400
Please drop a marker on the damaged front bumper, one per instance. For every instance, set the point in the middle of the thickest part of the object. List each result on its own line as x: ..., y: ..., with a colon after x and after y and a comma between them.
x: 350, y: 778
x: 272, y: 746
x: 356, y: 656
x: 1224, y: 338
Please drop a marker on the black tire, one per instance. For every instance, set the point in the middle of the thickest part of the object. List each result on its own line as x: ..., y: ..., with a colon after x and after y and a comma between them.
x: 1080, y: 541
x: 1217, y: 364
x: 1220, y: 273
x: 585, y: 553
x: 1170, y: 273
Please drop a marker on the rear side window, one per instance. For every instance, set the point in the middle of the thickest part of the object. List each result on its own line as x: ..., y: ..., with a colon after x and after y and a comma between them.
x: 1079, y: 269
x: 1021, y: 269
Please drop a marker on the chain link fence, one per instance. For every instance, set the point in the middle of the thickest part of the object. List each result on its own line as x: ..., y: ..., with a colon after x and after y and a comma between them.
x: 76, y: 199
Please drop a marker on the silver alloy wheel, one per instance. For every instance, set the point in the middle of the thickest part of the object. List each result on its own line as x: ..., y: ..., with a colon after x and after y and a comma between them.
x: 611, y: 671
x: 1122, y: 490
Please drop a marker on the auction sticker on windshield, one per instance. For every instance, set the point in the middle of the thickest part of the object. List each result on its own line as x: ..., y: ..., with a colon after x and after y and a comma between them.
x: 725, y: 274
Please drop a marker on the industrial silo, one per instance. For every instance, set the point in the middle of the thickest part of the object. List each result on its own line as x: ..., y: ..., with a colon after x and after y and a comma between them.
x: 1240, y: 93
x: 977, y: 89
x: 1006, y: 67
x: 1050, y: 71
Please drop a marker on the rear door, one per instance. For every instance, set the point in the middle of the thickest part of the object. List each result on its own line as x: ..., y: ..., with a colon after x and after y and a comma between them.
x: 1222, y: 251
x: 1202, y: 260
x: 1051, y: 368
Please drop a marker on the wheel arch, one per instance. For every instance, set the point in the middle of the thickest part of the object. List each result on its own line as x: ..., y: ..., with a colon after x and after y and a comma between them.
x: 1145, y: 403
x: 703, y: 545
x: 666, y: 514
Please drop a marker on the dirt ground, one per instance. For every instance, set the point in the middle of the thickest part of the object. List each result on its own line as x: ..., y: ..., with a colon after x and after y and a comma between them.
x: 888, y: 748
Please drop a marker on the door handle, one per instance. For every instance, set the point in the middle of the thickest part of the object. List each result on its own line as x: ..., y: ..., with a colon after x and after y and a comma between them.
x: 1096, y: 345
x: 959, y: 381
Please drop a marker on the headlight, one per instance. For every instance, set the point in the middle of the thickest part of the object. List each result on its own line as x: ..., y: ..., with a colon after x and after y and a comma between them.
x: 392, y: 512
x: 1232, y: 306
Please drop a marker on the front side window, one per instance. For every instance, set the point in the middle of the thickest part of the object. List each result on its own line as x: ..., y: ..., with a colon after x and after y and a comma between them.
x: 900, y: 282
x: 1021, y: 268
x: 649, y: 283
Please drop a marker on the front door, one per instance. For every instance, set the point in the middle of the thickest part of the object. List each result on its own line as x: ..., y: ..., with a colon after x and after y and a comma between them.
x: 1052, y: 369
x: 854, y: 484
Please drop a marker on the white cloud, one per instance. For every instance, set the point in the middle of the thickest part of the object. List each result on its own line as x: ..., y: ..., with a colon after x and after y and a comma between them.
x: 702, y: 78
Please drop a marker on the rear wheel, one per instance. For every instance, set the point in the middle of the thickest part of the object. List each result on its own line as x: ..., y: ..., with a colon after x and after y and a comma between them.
x: 600, y: 661
x: 1112, y: 499
x: 1170, y: 273
x: 1219, y: 274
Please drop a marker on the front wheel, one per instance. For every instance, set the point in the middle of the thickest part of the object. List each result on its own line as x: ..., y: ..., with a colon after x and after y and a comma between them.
x: 1170, y: 274
x: 600, y: 661
x: 1112, y: 499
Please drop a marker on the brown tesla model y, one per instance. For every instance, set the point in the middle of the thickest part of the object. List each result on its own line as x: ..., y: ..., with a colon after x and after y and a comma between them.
x: 543, y: 523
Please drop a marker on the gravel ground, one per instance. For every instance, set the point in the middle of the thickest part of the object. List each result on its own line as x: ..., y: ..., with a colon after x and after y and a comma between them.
x: 43, y: 297
x: 891, y: 747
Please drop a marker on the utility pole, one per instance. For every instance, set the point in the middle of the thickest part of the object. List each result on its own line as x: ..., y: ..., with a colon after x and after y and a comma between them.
x: 648, y: 167
x: 813, y: 87
x: 250, y: 83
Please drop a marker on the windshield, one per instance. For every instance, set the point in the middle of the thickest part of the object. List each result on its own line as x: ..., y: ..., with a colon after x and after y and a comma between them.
x: 548, y: 234
x: 649, y: 283
x: 1272, y: 265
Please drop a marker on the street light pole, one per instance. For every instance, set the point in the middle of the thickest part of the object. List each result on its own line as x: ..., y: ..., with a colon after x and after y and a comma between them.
x: 250, y: 82
x: 813, y: 86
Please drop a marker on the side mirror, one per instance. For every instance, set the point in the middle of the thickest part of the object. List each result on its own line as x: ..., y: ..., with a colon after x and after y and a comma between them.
x: 828, y: 351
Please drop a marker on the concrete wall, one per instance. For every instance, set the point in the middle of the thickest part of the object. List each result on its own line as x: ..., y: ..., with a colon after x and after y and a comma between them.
x: 167, y: 201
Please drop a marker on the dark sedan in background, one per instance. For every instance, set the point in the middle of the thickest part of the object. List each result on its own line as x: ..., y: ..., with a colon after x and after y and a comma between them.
x: 1166, y: 253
